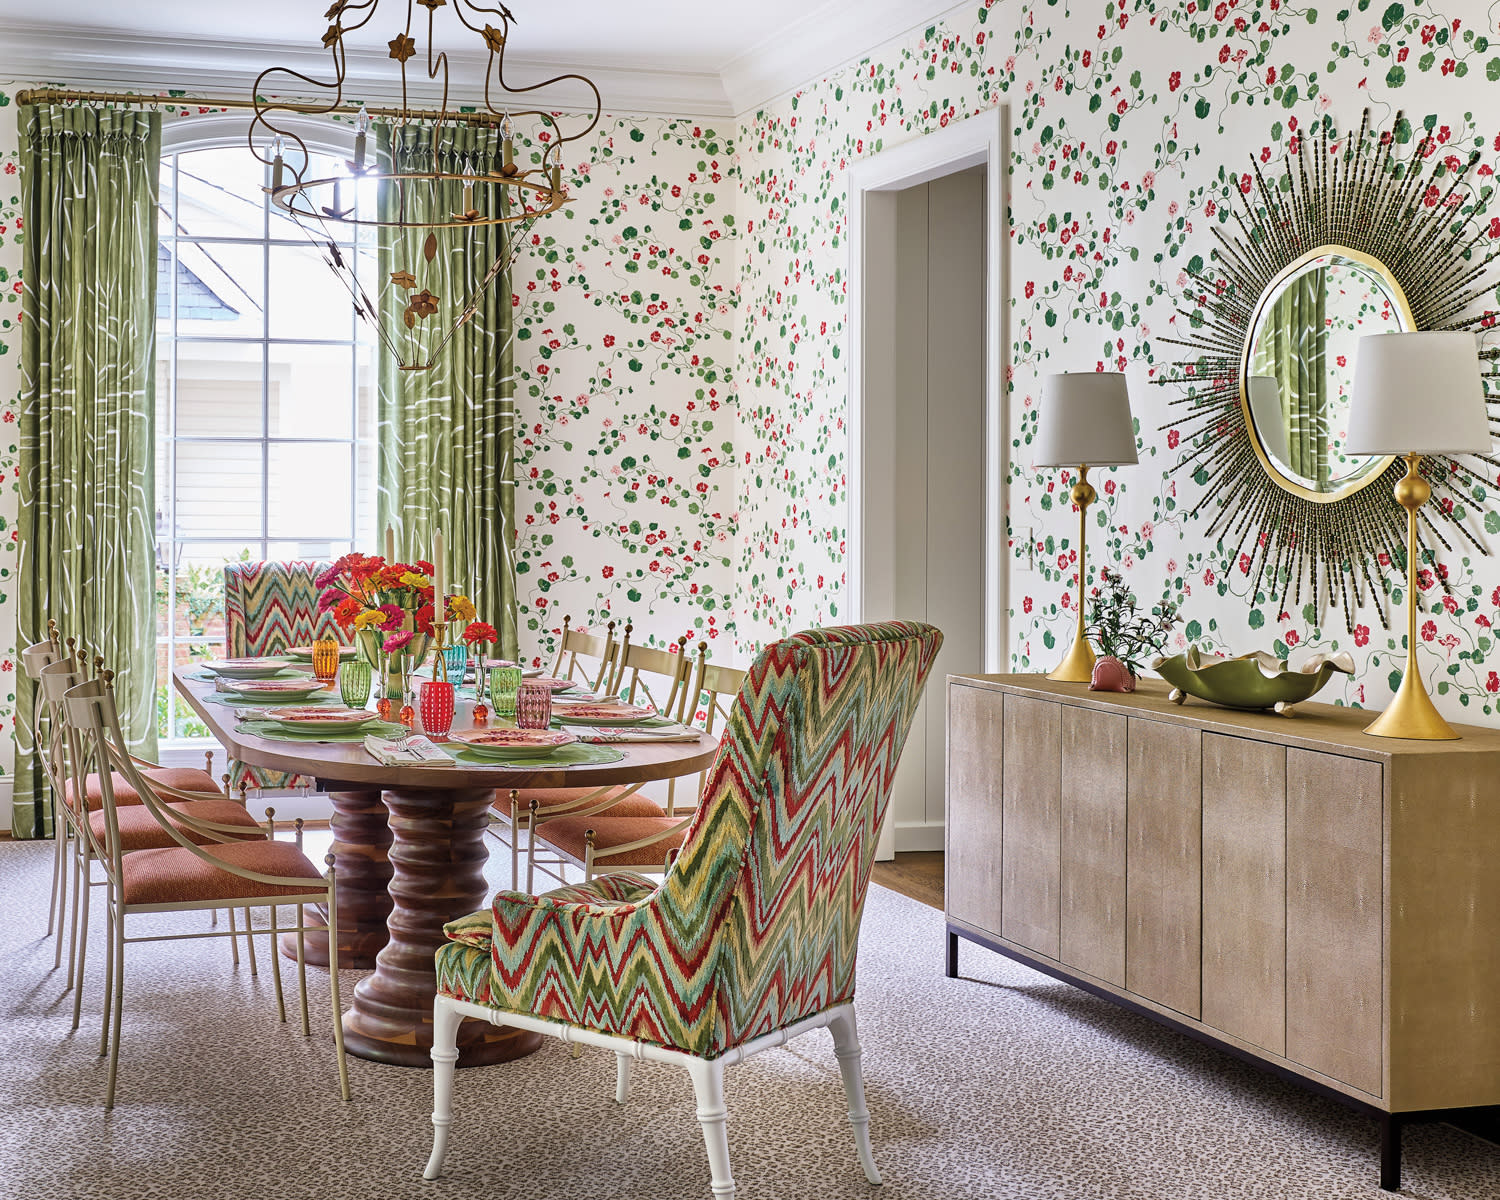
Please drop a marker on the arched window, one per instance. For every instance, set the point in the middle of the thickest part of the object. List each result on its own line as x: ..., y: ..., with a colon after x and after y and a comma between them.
x: 265, y: 396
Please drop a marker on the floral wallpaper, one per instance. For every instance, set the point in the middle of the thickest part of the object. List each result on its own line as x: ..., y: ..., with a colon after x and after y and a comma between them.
x: 11, y: 233
x: 1130, y: 122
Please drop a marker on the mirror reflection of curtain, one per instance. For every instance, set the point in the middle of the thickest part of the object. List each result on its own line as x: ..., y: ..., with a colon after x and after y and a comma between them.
x: 1292, y: 349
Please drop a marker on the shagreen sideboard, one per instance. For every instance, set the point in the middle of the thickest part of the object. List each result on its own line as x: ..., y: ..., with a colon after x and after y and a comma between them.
x: 1316, y: 900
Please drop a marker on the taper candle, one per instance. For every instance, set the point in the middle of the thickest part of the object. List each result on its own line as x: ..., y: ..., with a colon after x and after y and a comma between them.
x: 438, y: 574
x: 390, y: 544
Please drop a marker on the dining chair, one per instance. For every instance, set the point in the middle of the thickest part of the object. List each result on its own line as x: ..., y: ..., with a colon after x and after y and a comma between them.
x: 268, y: 608
x: 643, y: 673
x: 645, y: 843
x: 203, y: 816
x: 750, y: 940
x: 510, y: 815
x: 224, y: 872
x: 576, y: 644
x: 43, y: 661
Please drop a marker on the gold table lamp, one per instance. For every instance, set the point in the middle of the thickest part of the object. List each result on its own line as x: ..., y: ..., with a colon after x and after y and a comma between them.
x: 1416, y: 394
x: 1084, y: 421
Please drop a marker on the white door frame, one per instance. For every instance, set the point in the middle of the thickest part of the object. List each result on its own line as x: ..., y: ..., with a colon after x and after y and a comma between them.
x: 978, y: 141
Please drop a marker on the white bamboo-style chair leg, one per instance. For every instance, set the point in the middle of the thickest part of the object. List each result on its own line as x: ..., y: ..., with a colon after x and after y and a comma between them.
x: 708, y: 1086
x: 445, y: 1021
x: 622, y: 1077
x: 234, y: 942
x: 846, y: 1050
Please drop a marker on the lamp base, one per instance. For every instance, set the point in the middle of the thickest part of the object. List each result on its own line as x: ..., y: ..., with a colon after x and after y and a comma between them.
x: 1412, y: 715
x: 1078, y: 666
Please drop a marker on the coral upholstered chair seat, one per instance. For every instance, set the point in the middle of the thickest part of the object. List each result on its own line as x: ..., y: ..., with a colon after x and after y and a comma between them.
x: 177, y: 779
x: 750, y: 939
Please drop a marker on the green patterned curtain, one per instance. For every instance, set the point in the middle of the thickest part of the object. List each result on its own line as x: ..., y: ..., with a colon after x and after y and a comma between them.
x: 445, y: 435
x: 88, y: 361
x: 1292, y: 349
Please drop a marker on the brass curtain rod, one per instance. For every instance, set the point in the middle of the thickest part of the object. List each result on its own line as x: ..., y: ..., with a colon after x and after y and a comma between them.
x: 64, y: 96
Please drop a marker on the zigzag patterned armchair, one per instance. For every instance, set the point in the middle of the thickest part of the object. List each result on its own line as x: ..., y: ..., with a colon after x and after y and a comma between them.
x: 268, y: 607
x: 750, y: 939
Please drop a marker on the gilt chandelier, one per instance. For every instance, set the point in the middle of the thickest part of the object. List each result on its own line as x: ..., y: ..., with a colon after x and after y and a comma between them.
x: 422, y: 212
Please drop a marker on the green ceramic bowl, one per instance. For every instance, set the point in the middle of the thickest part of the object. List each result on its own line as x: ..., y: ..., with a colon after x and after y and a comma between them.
x: 1252, y: 681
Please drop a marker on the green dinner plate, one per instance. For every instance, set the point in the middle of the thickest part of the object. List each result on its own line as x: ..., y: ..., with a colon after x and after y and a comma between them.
x: 269, y: 729
x: 579, y: 754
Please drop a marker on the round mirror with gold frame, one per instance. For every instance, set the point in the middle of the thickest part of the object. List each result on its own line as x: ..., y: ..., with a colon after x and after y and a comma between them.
x: 1348, y: 241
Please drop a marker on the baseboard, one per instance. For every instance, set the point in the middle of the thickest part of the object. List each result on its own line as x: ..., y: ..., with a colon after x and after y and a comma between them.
x: 919, y: 835
x: 7, y: 795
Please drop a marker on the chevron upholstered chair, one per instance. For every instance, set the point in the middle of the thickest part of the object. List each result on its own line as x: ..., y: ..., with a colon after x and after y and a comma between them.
x: 751, y: 938
x: 269, y: 607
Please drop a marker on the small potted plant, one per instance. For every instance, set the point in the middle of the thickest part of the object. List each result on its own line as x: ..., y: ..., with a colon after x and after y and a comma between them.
x: 1126, y: 637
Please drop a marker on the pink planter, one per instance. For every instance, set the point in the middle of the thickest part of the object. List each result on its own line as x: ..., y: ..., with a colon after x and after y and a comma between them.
x: 1111, y: 675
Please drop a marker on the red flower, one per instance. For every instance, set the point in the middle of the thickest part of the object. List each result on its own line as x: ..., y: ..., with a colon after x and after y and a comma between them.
x: 397, y: 641
x: 1026, y: 604
x: 1429, y: 630
x: 1492, y: 684
x: 1361, y: 635
x: 479, y: 631
x: 1291, y: 637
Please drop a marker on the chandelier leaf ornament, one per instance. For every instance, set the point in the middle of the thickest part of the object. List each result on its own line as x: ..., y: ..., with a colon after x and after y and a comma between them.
x: 454, y: 198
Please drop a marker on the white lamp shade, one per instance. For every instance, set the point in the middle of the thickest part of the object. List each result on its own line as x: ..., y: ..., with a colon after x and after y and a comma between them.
x: 1418, y: 393
x: 1264, y: 394
x: 1084, y: 420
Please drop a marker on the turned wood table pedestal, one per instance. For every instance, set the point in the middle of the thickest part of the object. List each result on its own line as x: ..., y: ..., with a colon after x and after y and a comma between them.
x: 410, y: 853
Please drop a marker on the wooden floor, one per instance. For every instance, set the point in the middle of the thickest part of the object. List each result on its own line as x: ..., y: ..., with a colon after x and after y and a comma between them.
x: 915, y: 873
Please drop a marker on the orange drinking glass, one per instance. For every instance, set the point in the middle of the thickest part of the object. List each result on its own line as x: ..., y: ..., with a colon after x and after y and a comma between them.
x: 326, y: 659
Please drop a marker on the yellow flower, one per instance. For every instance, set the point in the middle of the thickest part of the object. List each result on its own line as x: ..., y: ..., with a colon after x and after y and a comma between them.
x: 460, y: 608
x: 412, y: 580
x: 371, y: 616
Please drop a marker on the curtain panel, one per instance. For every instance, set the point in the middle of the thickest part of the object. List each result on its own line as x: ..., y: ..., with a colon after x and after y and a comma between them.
x: 88, y: 349
x: 445, y: 436
x: 1293, y: 350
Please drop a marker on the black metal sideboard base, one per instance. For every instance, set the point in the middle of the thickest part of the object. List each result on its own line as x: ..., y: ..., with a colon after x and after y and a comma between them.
x: 1391, y: 1124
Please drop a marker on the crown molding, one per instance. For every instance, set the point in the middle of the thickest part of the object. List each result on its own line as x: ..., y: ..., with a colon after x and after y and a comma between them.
x: 831, y: 36
x: 97, y: 60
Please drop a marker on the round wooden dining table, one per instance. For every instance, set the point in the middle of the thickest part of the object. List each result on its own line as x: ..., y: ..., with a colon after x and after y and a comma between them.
x: 410, y: 852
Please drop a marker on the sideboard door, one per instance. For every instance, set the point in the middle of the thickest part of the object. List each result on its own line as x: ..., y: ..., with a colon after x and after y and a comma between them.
x: 1030, y: 854
x: 1244, y: 889
x: 975, y: 755
x: 1335, y: 885
x: 1093, y: 843
x: 1163, y: 880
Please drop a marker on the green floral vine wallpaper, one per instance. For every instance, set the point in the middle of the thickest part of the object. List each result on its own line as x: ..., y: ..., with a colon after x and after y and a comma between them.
x: 1129, y: 125
x: 683, y: 365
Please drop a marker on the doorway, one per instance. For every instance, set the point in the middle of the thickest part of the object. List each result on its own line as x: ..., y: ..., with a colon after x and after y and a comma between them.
x: 927, y: 421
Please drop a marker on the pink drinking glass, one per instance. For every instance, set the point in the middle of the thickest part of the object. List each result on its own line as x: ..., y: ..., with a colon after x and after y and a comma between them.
x: 534, y: 706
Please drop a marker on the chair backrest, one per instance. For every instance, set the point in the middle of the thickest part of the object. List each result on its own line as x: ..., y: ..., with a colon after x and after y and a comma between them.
x: 53, y: 682
x: 270, y: 606
x: 579, y: 643
x: 671, y: 669
x: 777, y: 862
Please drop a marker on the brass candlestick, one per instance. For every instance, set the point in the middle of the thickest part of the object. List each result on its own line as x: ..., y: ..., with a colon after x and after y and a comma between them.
x: 1078, y: 665
x: 1411, y: 713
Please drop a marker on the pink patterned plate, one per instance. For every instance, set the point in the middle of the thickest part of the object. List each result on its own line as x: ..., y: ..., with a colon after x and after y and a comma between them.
x: 295, y: 688
x: 246, y: 668
x: 553, y: 682
x: 604, y: 714
x: 334, y: 720
x: 513, y: 743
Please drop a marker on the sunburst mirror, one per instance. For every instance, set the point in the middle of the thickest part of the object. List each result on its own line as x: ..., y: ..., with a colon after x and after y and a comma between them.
x: 1345, y: 241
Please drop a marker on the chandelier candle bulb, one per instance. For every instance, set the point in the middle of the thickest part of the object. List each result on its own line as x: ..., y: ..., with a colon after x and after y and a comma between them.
x: 362, y: 131
x: 278, y: 164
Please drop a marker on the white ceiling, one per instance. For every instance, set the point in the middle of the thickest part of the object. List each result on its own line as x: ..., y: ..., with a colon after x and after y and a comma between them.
x: 714, y: 56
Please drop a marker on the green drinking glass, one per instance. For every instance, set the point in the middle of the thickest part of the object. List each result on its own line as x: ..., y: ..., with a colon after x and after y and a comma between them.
x: 354, y: 683
x: 505, y: 682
